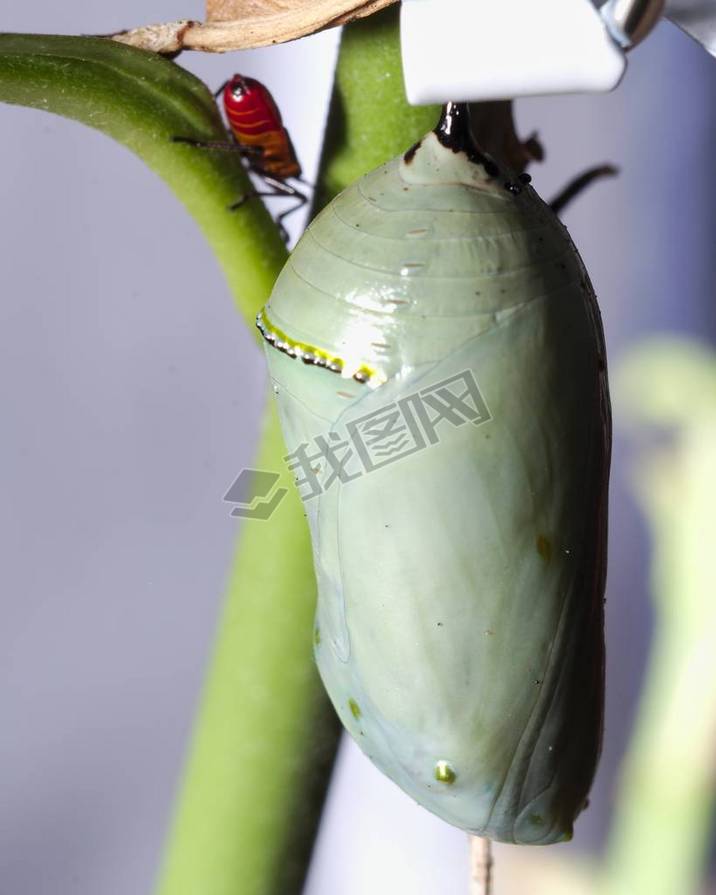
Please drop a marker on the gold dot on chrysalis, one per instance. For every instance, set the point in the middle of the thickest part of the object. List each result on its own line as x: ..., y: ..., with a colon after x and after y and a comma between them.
x: 355, y: 708
x: 544, y: 548
x: 444, y: 772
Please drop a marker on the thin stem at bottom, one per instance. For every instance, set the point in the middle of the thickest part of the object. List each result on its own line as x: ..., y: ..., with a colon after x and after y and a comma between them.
x: 480, y: 866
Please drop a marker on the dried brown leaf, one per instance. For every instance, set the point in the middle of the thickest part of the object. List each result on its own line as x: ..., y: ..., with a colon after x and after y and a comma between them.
x: 166, y: 38
x: 242, y: 24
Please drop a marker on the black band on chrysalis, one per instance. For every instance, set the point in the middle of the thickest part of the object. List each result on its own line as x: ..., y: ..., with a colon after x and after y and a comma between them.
x: 454, y: 132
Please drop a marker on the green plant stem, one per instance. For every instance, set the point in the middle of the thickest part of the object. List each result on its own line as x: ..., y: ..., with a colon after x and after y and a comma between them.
x: 659, y: 838
x: 266, y: 735
x: 369, y: 120
x: 142, y: 101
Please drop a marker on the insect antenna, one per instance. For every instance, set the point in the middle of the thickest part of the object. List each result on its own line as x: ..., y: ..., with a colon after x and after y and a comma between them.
x: 220, y: 89
x: 580, y: 183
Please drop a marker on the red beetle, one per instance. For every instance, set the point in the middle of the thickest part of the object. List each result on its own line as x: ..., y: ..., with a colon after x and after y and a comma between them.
x: 256, y: 130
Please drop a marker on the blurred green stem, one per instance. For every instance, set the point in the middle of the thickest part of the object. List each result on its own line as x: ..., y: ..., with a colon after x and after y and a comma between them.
x: 259, y: 764
x: 662, y: 820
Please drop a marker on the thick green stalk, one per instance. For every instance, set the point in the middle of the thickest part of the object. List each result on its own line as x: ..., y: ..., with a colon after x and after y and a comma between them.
x: 369, y: 120
x: 266, y: 735
x: 143, y: 100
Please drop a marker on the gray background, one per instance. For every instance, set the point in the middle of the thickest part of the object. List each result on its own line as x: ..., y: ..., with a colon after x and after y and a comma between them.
x: 130, y: 395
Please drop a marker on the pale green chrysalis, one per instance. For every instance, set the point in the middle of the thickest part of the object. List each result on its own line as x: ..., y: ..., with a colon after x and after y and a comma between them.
x: 440, y: 378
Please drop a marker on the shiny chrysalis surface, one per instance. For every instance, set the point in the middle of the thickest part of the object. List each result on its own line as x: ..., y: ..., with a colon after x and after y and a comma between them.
x: 437, y: 322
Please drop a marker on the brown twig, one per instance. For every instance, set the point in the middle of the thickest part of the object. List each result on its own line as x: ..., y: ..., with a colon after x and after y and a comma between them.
x: 493, y: 126
x: 480, y: 865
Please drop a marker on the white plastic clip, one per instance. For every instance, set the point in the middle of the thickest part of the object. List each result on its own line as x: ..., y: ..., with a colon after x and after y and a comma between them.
x: 466, y: 50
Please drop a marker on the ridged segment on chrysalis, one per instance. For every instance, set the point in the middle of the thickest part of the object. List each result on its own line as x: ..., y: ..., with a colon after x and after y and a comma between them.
x: 437, y: 322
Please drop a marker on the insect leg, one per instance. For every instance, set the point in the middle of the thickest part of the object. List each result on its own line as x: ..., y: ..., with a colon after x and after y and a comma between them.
x: 282, y: 188
x: 253, y: 193
x: 277, y: 188
x: 286, y: 189
x: 301, y: 200
x: 242, y: 200
x: 575, y: 187
x: 224, y: 145
x: 218, y: 92
x: 285, y: 214
x: 252, y: 153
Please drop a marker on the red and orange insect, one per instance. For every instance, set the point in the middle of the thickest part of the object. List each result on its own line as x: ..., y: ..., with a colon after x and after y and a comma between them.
x: 256, y: 123
x: 256, y: 130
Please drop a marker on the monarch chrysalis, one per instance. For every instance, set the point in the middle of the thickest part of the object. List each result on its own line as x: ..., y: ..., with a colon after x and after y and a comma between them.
x: 459, y: 629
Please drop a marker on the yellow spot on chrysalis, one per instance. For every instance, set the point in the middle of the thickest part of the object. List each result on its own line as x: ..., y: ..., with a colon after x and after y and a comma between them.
x: 444, y: 772
x: 317, y: 636
x: 355, y: 708
x: 544, y: 548
x: 536, y: 819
